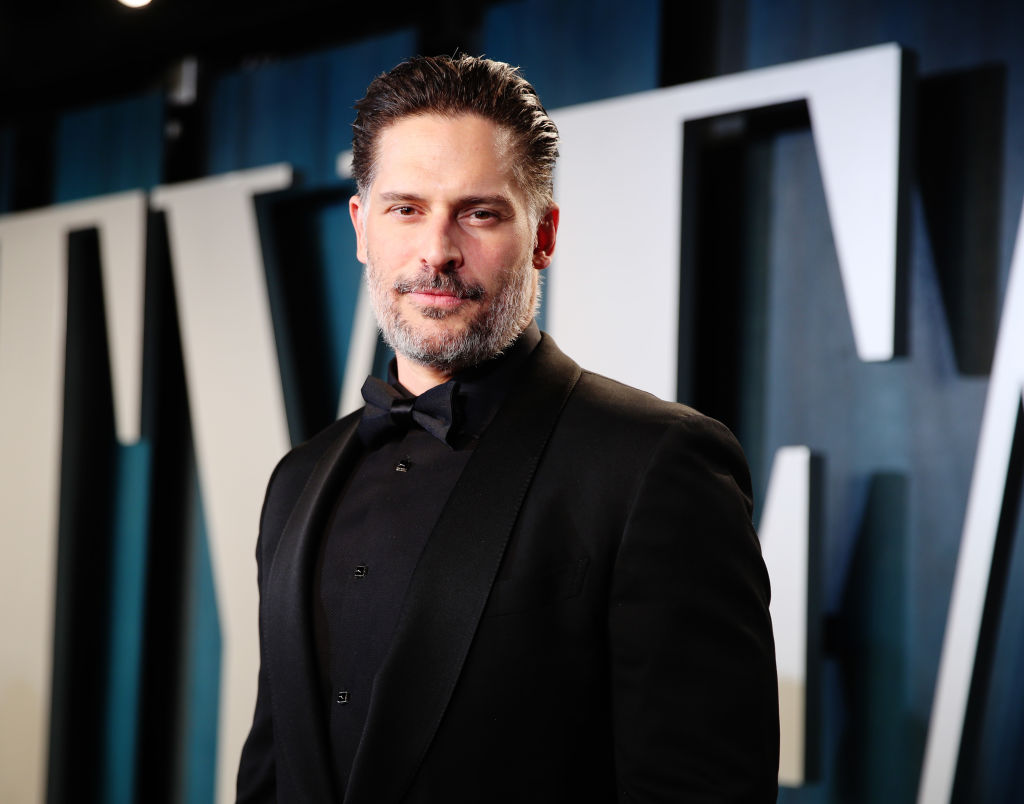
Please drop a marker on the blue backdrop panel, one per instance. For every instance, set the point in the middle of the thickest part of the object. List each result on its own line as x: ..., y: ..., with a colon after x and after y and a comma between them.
x: 888, y: 554
x: 898, y: 437
x: 197, y: 776
x: 575, y: 51
x: 110, y: 148
x: 128, y: 595
x: 946, y: 37
x: 98, y: 151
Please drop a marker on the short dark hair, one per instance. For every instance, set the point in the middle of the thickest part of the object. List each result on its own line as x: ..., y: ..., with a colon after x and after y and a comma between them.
x: 452, y: 86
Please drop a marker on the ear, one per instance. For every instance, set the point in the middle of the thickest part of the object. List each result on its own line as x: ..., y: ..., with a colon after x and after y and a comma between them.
x: 547, y: 230
x: 357, y: 212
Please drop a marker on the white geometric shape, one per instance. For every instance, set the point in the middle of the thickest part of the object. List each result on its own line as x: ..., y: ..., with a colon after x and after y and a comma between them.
x: 33, y: 325
x: 985, y: 503
x: 237, y: 407
x: 613, y: 295
x: 785, y: 532
x: 343, y: 164
x: 362, y: 349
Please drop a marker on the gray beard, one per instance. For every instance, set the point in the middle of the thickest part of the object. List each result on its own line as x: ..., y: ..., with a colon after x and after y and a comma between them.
x: 491, y: 330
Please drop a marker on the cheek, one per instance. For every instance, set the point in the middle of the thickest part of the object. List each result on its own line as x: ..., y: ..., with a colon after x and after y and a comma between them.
x: 388, y: 253
x: 499, y: 255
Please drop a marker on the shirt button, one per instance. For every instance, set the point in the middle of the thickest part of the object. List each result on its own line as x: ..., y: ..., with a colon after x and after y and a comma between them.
x: 403, y: 465
x: 360, y: 571
x: 341, y: 697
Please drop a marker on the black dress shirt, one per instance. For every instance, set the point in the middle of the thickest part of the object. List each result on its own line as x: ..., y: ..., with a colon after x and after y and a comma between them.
x: 374, y: 538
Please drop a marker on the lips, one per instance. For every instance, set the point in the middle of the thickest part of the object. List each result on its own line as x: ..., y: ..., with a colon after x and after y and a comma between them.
x: 443, y: 289
x: 438, y: 299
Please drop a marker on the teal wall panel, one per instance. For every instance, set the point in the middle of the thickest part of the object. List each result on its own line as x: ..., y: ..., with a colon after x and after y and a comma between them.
x: 898, y: 438
x: 102, y: 150
x: 914, y: 422
x: 574, y: 51
x: 127, y: 607
x: 201, y: 686
x: 109, y: 148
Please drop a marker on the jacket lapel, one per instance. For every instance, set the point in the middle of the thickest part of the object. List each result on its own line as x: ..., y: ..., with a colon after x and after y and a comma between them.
x: 298, y: 711
x: 453, y: 579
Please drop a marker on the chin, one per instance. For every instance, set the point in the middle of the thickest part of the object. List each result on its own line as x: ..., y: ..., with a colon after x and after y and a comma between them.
x: 440, y: 337
x: 437, y: 313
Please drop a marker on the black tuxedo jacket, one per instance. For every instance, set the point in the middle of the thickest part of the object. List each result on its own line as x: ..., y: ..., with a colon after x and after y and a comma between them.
x: 588, y: 622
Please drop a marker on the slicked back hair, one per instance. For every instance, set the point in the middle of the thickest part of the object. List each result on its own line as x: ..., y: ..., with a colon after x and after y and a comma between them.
x: 452, y: 86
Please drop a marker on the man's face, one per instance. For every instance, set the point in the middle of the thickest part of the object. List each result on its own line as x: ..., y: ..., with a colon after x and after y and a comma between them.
x: 449, y: 241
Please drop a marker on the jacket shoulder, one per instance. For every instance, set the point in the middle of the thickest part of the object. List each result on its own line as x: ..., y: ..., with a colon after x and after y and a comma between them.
x: 604, y: 417
x: 606, y: 403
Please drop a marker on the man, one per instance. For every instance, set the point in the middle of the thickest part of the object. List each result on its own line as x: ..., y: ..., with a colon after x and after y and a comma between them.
x: 551, y: 594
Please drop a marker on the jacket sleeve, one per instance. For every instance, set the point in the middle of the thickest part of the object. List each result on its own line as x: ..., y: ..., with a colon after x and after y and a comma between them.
x: 694, y: 686
x: 257, y: 769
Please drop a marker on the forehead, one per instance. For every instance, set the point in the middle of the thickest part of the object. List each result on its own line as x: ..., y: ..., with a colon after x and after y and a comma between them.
x: 444, y: 152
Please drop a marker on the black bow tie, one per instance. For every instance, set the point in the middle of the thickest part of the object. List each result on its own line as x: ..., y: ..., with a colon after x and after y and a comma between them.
x: 388, y: 411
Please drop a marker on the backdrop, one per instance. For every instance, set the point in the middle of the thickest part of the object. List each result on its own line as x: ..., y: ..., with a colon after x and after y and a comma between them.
x: 147, y: 325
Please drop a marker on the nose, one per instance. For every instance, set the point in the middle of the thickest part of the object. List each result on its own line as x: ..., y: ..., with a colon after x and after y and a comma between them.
x: 440, y: 252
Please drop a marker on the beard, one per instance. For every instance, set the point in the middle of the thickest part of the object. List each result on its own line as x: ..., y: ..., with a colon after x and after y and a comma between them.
x: 493, y: 322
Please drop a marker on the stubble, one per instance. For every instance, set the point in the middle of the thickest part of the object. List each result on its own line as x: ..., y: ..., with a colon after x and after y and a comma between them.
x: 494, y: 322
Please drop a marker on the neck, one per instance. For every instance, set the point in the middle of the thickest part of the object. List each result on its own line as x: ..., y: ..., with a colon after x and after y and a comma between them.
x: 418, y: 378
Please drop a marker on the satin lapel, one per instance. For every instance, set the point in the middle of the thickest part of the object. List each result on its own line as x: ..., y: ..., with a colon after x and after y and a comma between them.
x: 453, y: 580
x: 300, y: 730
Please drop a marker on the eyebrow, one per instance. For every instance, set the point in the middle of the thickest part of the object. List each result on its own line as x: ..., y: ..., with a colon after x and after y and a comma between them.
x: 495, y: 200
x: 395, y: 197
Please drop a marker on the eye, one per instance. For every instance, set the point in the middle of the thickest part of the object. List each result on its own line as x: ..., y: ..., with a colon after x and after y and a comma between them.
x: 483, y: 215
x: 404, y: 211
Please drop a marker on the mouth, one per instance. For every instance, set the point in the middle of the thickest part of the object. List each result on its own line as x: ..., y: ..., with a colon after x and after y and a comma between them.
x: 444, y: 292
x: 436, y: 298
